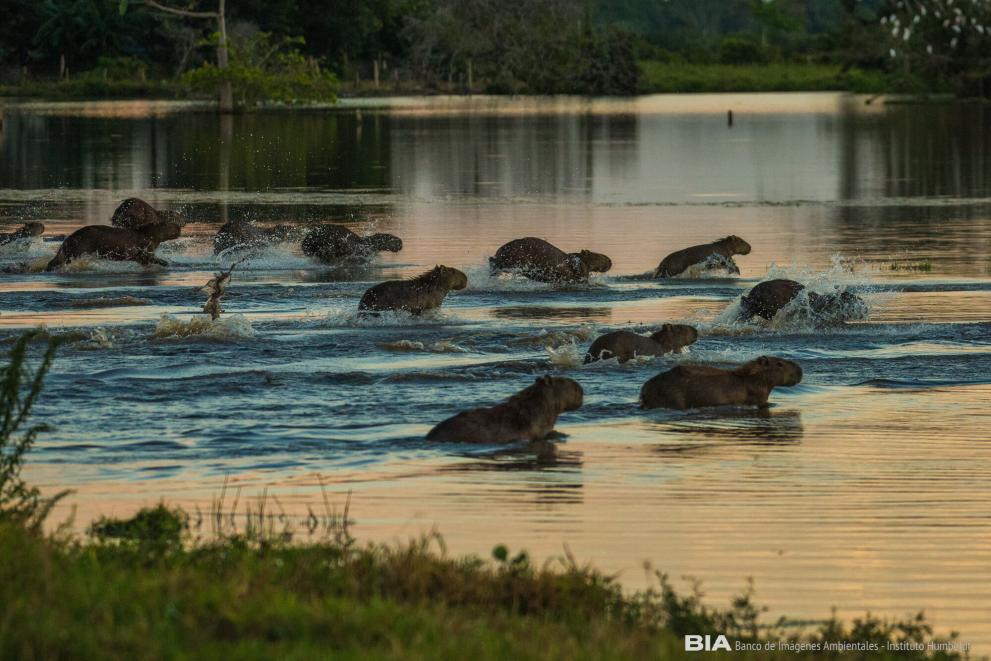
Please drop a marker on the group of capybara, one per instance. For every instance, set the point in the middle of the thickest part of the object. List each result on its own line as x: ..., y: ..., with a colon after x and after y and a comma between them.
x: 137, y: 229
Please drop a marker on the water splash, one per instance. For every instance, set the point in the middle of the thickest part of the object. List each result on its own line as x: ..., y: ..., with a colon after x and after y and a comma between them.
x: 441, y: 346
x: 109, y: 302
x: 351, y: 317
x: 228, y: 327
x: 798, y: 316
x: 714, y: 267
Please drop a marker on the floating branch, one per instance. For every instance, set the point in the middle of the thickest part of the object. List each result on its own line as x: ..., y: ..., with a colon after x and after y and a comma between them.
x: 215, y: 290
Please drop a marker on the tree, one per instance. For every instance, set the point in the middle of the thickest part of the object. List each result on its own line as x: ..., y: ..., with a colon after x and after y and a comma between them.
x: 226, y: 101
x: 941, y: 39
x: 265, y: 69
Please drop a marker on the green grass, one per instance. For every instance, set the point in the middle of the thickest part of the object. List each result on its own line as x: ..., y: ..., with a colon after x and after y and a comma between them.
x: 680, y: 77
x: 144, y: 588
x: 93, y: 87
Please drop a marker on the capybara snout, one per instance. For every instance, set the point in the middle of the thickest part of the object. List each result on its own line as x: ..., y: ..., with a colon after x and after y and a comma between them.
x: 456, y: 279
x: 595, y: 261
x: 737, y: 245
x: 386, y: 242
x: 568, y: 391
x: 680, y: 335
x: 781, y: 372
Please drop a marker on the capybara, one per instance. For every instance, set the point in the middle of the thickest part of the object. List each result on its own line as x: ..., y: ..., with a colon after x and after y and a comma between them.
x: 336, y: 243
x: 768, y: 297
x: 722, y: 250
x: 529, y: 415
x: 424, y: 292
x: 244, y: 234
x: 116, y: 243
x: 25, y: 231
x: 625, y: 345
x: 694, y: 386
x: 541, y: 261
x: 132, y: 213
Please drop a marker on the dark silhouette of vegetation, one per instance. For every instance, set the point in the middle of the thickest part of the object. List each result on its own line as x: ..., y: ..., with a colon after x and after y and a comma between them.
x: 20, y: 386
x: 498, y: 46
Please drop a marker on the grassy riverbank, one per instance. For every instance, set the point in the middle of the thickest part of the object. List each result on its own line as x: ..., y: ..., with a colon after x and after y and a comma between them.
x: 144, y: 589
x: 668, y: 77
x: 656, y: 78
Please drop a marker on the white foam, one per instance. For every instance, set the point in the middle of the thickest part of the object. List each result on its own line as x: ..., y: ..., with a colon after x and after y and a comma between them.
x: 351, y: 317
x: 441, y: 346
x: 231, y: 326
x: 797, y: 315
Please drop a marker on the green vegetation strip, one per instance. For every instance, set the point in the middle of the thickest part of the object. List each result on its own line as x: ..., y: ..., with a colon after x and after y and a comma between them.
x: 675, y: 77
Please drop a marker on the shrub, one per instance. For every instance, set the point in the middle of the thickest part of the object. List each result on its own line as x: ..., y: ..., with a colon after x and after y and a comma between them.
x: 261, y: 69
x: 738, y: 50
x: 19, y: 388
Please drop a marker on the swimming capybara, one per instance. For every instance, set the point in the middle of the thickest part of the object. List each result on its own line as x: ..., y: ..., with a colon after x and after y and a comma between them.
x: 768, y: 297
x: 424, y: 292
x: 722, y: 250
x: 133, y: 213
x: 529, y: 415
x: 116, y: 243
x: 694, y: 386
x: 541, y: 261
x: 335, y: 243
x: 25, y: 231
x: 244, y: 234
x: 625, y: 345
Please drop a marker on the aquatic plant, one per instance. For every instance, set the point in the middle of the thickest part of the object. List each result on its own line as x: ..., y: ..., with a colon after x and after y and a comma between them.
x: 20, y: 386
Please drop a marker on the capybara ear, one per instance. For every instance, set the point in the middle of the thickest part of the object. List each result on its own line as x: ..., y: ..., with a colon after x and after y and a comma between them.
x: 753, y: 367
x: 665, y: 327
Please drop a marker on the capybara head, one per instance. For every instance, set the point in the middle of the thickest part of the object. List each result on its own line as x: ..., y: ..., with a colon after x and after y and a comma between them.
x: 387, y: 242
x: 452, y: 277
x: 595, y: 261
x: 774, y: 371
x: 566, y: 393
x: 159, y: 232
x: 32, y: 229
x: 133, y: 213
x: 737, y: 245
x: 842, y: 306
x: 676, y: 335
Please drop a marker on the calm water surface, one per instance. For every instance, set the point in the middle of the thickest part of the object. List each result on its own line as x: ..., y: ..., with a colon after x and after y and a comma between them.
x: 867, y: 487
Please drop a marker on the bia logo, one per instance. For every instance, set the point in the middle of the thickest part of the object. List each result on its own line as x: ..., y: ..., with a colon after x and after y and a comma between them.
x: 694, y: 643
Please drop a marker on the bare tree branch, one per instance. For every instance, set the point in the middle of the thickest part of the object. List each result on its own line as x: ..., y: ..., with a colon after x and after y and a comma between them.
x: 181, y: 12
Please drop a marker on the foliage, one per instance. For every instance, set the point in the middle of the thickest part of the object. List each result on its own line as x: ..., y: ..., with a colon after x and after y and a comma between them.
x: 20, y: 386
x: 740, y: 50
x: 940, y: 39
x: 258, y: 597
x: 264, y: 69
x: 528, y: 46
x: 159, y: 528
x: 683, y: 77
x: 503, y: 46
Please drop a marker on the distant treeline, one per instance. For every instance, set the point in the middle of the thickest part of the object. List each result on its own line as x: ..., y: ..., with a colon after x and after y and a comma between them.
x: 504, y: 46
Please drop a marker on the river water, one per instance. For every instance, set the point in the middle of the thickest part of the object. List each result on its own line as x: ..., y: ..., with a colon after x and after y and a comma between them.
x: 866, y: 487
